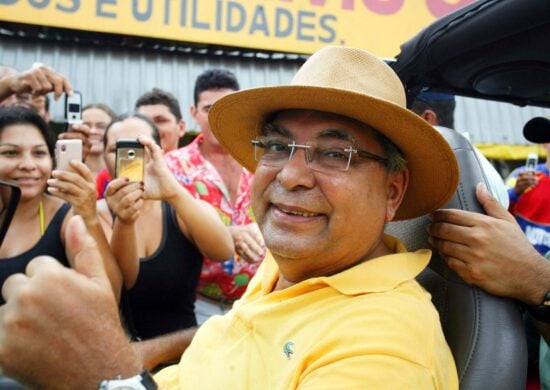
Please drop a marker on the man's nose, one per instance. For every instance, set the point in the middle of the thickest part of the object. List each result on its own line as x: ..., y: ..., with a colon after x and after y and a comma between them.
x: 296, y: 171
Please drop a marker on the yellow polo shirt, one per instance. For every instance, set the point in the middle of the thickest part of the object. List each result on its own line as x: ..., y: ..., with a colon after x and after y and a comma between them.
x: 369, y: 327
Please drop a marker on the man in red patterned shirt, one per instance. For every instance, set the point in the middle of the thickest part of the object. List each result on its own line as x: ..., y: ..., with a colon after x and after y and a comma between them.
x: 209, y: 172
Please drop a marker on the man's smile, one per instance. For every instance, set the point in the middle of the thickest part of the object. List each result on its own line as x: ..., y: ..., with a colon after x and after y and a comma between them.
x: 294, y: 214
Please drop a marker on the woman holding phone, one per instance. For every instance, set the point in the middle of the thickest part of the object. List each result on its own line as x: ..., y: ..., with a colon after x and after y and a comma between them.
x: 160, y: 234
x: 26, y: 160
x: 38, y: 226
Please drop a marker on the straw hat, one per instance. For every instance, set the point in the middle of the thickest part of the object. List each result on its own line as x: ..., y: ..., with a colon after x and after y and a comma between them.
x: 355, y: 84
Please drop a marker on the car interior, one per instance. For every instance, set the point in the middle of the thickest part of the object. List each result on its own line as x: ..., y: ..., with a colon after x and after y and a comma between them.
x: 491, y: 49
x: 497, y: 50
x: 485, y: 333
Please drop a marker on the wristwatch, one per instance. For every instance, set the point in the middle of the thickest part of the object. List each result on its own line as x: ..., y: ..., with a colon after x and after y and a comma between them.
x: 540, y: 312
x: 142, y: 381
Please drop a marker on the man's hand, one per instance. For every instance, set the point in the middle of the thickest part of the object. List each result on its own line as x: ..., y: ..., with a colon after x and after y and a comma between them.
x: 524, y: 180
x: 39, y: 80
x: 60, y: 327
x: 249, y: 242
x: 490, y: 251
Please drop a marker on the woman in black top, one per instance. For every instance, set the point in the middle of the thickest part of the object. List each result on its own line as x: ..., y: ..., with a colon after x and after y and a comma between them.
x: 38, y: 226
x: 26, y: 160
x: 159, y: 237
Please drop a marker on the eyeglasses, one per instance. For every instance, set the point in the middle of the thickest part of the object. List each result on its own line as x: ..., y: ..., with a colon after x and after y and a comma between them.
x: 323, y: 155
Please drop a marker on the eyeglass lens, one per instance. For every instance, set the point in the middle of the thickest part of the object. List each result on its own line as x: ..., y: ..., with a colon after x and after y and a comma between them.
x: 325, y: 154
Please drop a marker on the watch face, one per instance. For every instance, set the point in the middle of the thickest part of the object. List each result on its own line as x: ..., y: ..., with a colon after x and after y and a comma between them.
x: 143, y: 381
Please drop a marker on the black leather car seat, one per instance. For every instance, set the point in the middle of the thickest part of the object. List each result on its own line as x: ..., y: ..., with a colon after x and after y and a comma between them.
x: 485, y: 333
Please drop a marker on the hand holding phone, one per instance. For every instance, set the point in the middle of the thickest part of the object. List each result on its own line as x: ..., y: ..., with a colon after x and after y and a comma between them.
x: 129, y: 159
x: 67, y: 150
x: 531, y: 163
x: 73, y: 108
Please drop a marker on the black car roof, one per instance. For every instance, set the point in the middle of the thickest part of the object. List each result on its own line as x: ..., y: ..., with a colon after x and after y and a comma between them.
x: 492, y: 49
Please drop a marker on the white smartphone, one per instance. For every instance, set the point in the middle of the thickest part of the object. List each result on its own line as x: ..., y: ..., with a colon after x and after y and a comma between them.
x: 73, y: 108
x: 67, y: 150
x: 531, y: 163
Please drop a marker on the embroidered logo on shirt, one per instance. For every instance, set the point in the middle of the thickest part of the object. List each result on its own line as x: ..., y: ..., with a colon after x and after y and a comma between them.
x: 288, y: 349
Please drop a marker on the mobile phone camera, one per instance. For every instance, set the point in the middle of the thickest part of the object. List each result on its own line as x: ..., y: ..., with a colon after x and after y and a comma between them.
x: 131, y: 153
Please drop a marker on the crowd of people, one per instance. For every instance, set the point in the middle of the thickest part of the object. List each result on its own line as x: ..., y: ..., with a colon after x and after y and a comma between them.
x: 160, y: 240
x: 237, y: 251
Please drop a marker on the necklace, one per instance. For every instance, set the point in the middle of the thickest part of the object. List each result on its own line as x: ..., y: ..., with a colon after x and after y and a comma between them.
x: 42, y: 219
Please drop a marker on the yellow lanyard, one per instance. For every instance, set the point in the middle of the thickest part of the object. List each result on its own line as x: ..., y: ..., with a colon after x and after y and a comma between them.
x: 42, y: 221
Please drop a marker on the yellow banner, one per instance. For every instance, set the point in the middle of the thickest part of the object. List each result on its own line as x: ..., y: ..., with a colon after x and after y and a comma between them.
x: 510, y: 152
x: 300, y: 26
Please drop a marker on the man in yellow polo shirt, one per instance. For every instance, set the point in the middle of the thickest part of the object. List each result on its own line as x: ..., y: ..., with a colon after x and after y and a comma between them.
x: 335, y: 304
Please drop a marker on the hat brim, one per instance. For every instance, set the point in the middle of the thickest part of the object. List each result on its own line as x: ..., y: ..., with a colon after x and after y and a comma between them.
x: 537, y: 130
x: 237, y: 118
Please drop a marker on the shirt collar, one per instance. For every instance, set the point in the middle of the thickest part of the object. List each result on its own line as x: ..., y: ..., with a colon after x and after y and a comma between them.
x: 375, y: 275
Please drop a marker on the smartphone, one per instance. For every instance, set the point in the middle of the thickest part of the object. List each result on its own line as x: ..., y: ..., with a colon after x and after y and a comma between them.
x: 129, y: 159
x: 73, y: 108
x: 531, y: 163
x: 67, y: 150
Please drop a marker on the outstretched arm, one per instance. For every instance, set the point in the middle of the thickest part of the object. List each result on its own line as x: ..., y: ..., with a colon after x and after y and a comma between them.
x: 125, y: 200
x: 38, y: 80
x: 78, y: 188
x: 197, y: 219
x: 165, y: 348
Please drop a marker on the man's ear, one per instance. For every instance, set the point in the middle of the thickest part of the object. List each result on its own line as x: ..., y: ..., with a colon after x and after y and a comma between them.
x: 430, y: 117
x: 397, y: 186
x: 193, y: 111
x: 181, y: 128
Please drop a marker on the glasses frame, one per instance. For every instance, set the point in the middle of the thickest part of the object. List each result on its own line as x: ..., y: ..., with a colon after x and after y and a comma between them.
x: 259, y: 142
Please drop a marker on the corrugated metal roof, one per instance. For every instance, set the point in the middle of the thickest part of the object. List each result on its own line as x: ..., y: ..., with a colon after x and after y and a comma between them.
x: 489, y: 122
x: 118, y: 76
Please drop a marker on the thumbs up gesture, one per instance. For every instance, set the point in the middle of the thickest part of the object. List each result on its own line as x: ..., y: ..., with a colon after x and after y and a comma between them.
x: 60, y: 327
